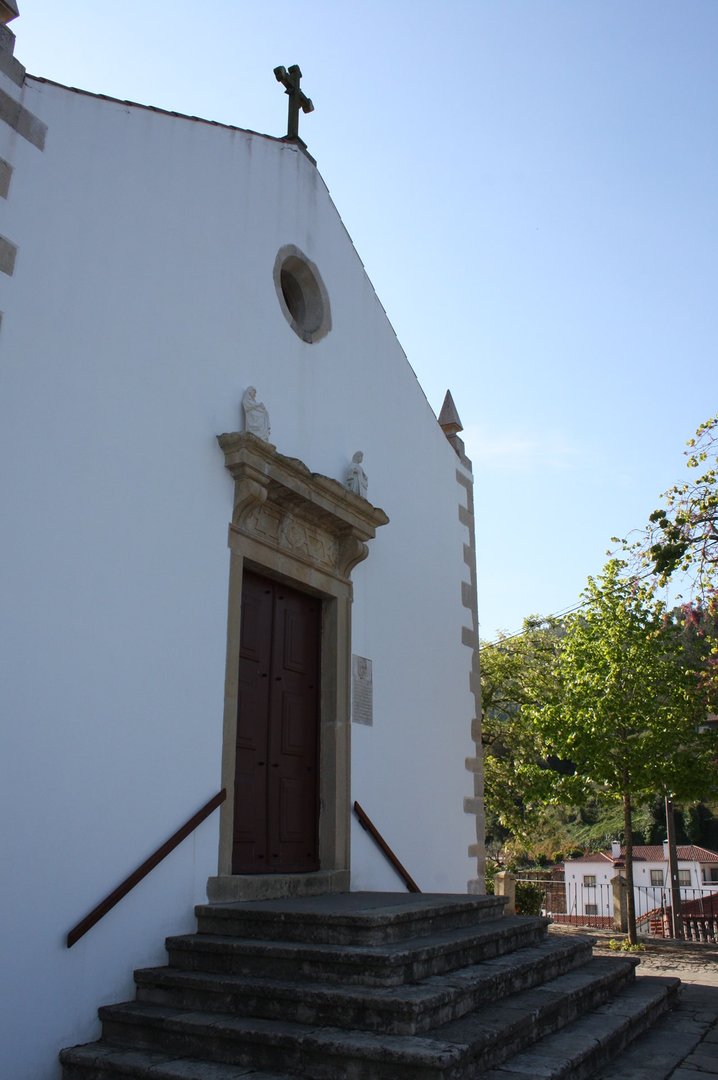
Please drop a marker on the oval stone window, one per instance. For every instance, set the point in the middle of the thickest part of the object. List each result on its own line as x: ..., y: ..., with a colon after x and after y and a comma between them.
x: 302, y: 295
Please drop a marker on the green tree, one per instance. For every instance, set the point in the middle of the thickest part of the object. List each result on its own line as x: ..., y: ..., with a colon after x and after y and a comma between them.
x: 626, y: 707
x: 523, y: 825
x: 697, y: 625
x: 515, y: 671
x: 682, y: 535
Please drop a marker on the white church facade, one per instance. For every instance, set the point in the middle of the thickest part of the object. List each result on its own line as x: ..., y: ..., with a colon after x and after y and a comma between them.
x: 237, y: 552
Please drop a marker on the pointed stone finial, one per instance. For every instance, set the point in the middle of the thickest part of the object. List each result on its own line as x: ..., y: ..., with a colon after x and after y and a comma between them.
x: 449, y: 421
x: 451, y: 425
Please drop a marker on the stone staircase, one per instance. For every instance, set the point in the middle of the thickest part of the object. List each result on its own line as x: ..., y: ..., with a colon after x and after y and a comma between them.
x: 373, y: 986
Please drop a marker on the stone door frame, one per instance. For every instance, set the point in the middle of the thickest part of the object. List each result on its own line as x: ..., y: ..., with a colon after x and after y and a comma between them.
x: 309, y: 531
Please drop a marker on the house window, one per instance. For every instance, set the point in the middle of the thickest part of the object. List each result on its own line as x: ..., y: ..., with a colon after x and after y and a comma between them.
x: 656, y: 877
x: 589, y: 881
x: 710, y: 873
x: 592, y: 909
x: 684, y: 877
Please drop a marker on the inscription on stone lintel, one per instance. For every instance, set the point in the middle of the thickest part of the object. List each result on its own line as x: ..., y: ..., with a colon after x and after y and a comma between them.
x: 362, y: 691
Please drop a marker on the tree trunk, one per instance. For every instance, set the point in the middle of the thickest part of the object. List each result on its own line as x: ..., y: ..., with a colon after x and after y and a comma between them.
x: 631, y: 899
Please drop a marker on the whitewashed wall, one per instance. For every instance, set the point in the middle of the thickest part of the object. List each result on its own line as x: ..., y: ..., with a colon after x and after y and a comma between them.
x: 141, y: 306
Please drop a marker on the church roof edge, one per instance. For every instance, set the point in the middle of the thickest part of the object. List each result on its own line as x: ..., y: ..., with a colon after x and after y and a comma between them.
x: 282, y: 140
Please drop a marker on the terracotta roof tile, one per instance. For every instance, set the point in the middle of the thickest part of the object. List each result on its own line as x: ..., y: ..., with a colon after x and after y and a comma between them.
x: 651, y: 853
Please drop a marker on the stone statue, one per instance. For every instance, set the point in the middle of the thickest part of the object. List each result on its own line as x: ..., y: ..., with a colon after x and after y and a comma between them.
x: 256, y: 417
x: 356, y: 477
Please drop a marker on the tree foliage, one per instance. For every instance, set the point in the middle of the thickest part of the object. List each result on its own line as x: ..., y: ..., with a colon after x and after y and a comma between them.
x: 516, y: 671
x: 682, y: 534
x: 697, y: 626
x: 625, y: 707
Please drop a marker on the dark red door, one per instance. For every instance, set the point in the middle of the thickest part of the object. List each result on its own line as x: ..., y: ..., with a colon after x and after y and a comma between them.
x: 276, y: 786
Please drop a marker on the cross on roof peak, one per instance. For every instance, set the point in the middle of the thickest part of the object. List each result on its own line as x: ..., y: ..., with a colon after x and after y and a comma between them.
x: 290, y: 79
x: 8, y: 11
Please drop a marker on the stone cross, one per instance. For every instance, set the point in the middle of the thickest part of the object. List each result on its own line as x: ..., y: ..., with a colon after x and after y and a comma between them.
x: 8, y: 11
x: 297, y: 98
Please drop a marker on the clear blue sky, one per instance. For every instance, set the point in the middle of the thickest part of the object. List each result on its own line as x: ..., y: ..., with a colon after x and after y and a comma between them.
x: 533, y: 188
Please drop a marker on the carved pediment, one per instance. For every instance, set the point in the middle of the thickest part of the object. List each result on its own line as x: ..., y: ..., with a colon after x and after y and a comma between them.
x: 281, y: 503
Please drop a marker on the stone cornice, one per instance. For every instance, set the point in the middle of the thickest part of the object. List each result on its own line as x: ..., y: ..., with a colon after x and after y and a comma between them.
x: 279, y: 500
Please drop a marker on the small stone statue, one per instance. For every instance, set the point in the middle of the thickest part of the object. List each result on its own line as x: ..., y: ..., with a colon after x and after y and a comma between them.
x: 256, y: 417
x: 356, y: 477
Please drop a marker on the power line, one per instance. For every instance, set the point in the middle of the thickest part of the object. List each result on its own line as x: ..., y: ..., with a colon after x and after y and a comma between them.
x: 556, y: 615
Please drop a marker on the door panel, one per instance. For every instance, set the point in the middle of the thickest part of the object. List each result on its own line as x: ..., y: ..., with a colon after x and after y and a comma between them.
x: 250, y: 844
x: 276, y: 801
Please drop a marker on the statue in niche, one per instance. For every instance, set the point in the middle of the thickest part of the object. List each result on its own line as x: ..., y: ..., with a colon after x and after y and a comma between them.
x: 356, y: 477
x: 256, y: 417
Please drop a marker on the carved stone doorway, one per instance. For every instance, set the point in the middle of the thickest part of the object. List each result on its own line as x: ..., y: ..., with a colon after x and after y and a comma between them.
x: 307, y: 532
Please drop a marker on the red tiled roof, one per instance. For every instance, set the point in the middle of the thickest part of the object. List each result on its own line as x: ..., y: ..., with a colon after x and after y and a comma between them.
x: 686, y: 852
x: 651, y: 853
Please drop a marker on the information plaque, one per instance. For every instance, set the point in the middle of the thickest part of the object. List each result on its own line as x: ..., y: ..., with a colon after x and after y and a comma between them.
x: 362, y: 691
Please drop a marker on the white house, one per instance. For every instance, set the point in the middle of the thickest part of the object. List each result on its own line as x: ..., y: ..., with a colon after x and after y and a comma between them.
x: 154, y: 268
x: 588, y: 878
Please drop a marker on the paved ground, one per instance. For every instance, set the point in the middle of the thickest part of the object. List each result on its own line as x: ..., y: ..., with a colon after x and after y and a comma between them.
x: 685, y: 1044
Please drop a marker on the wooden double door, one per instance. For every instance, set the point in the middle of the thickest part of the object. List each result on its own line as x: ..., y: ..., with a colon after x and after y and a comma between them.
x: 276, y: 809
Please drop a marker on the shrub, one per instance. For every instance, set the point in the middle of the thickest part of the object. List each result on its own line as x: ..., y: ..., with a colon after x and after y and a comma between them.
x: 529, y: 898
x: 624, y: 945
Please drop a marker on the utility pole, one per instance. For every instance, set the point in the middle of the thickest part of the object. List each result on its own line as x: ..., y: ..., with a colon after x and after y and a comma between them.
x: 676, y: 919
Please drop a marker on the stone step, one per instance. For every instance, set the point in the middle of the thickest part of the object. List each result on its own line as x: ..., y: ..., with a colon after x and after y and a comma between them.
x: 358, y: 918
x: 574, y: 1053
x: 591, y: 1042
x: 405, y: 1011
x: 684, y: 1044
x: 457, y: 1050
x: 463, y: 995
x: 390, y: 964
x: 98, y: 1061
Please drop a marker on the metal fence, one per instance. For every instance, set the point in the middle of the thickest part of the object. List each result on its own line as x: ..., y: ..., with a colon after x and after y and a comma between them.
x: 574, y: 904
x: 577, y: 904
x: 699, y: 912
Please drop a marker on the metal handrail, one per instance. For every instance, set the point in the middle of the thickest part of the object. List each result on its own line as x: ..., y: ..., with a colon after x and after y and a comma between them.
x: 142, y: 871
x: 368, y: 825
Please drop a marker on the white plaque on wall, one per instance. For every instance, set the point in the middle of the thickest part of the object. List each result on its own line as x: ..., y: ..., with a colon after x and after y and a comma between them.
x: 362, y: 691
